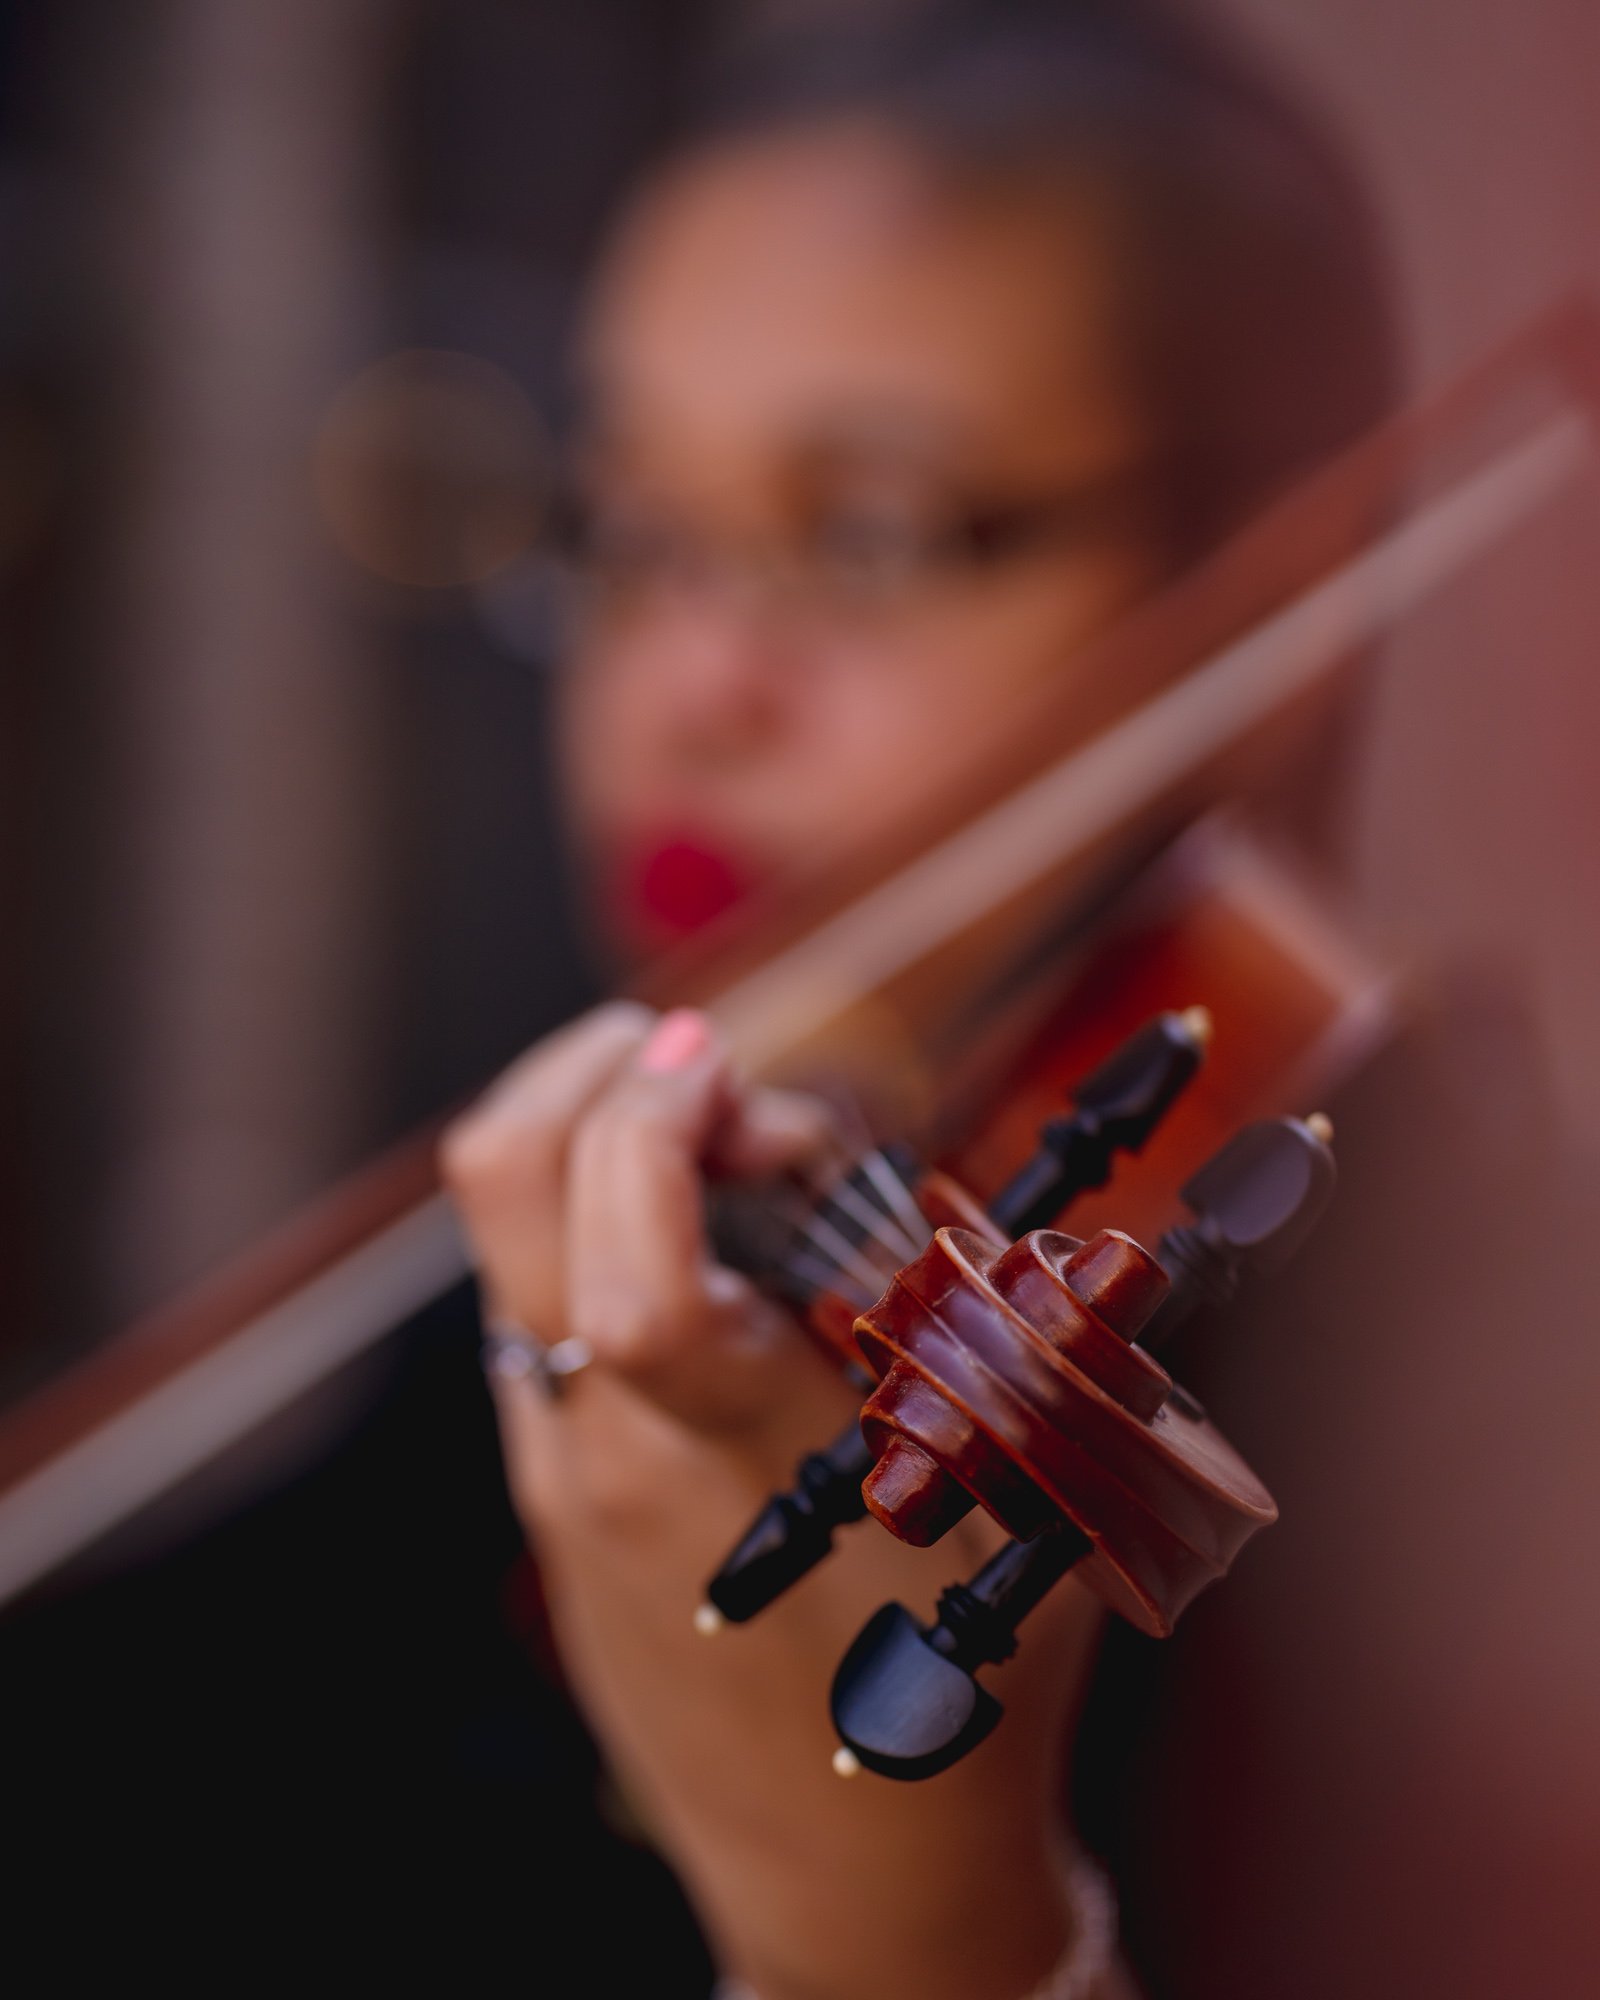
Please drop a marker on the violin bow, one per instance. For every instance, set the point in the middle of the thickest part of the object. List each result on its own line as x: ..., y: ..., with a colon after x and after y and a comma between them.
x: 1230, y: 646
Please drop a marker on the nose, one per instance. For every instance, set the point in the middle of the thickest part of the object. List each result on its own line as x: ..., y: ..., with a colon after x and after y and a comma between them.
x: 716, y: 665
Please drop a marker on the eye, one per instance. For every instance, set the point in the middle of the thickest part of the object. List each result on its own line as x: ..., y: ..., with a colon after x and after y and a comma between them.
x: 621, y: 547
x: 871, y: 550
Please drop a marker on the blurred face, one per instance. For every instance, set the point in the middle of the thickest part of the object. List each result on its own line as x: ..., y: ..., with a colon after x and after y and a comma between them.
x: 860, y: 468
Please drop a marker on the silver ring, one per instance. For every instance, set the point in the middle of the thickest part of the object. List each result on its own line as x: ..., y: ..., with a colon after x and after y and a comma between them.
x: 512, y: 1353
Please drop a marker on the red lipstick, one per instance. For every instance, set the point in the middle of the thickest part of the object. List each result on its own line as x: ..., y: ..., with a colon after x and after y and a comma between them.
x: 677, y: 885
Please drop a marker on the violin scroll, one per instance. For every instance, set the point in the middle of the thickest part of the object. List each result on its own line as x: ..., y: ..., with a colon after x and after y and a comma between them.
x: 1020, y: 1377
x: 962, y: 1342
x: 1013, y: 1379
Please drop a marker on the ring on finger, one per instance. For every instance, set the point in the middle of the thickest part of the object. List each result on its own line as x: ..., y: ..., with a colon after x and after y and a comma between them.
x: 512, y: 1352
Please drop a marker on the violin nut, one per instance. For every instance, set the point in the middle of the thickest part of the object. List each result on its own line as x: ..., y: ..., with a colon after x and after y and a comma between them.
x: 910, y: 1492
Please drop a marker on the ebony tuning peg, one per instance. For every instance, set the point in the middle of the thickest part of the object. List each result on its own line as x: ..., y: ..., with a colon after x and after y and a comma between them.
x: 906, y: 1701
x: 792, y: 1533
x: 1254, y: 1203
x: 1115, y: 1109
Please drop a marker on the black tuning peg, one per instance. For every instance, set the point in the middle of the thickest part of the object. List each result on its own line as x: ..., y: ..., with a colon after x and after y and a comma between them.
x: 793, y: 1532
x: 1254, y: 1203
x: 906, y: 1701
x: 1114, y: 1110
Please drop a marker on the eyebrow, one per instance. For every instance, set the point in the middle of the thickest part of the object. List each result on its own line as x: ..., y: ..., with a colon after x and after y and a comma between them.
x: 900, y: 430
x: 913, y: 434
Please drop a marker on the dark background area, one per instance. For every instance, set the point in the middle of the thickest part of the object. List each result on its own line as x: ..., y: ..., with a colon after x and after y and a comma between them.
x: 280, y: 870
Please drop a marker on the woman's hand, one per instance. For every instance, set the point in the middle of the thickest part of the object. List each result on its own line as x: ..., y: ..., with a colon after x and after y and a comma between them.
x: 580, y: 1178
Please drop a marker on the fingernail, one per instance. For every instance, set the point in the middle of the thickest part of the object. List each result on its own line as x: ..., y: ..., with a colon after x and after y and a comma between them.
x: 678, y: 1038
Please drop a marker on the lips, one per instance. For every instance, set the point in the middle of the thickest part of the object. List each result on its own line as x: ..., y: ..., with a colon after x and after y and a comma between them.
x: 676, y: 885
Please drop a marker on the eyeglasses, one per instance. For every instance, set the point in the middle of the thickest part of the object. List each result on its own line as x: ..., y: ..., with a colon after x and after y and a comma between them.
x: 850, y: 564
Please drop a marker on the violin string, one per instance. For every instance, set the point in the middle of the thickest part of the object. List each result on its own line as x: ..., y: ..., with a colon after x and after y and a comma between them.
x: 895, y: 1195
x: 847, y: 1195
x: 814, y: 1230
x: 881, y: 1235
x: 822, y: 1276
x: 804, y: 1260
x: 873, y: 1196
x: 875, y: 1262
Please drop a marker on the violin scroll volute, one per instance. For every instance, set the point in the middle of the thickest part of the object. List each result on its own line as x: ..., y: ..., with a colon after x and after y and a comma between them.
x: 1009, y: 1378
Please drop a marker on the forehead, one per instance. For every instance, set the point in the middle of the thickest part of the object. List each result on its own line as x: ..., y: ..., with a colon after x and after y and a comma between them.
x: 776, y: 285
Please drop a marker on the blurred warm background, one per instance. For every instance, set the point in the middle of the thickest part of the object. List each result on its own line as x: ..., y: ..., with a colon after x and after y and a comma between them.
x: 285, y: 293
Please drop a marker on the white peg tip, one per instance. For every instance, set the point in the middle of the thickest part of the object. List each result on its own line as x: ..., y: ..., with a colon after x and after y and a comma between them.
x: 845, y: 1763
x: 708, y: 1620
x: 1320, y: 1126
x: 1199, y: 1024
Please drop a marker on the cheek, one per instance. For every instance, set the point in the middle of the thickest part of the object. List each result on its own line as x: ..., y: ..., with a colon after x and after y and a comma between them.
x: 886, y: 729
x: 874, y: 743
x: 981, y: 673
x: 602, y: 740
x: 933, y: 700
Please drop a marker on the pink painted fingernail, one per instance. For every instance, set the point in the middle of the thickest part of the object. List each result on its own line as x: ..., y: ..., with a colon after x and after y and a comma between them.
x: 678, y: 1038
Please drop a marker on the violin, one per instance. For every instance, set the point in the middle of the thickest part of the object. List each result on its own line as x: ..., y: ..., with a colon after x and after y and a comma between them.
x: 900, y: 973
x: 1011, y: 1366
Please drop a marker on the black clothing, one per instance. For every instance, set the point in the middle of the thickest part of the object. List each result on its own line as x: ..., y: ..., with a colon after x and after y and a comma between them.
x: 310, y: 1738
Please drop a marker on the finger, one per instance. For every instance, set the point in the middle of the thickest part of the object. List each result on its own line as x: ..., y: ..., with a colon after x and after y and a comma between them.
x: 530, y: 1440
x: 637, y: 1260
x: 553, y: 1081
x: 765, y: 1131
x: 505, y: 1159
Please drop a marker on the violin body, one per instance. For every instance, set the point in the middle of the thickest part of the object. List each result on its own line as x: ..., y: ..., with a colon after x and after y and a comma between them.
x: 1221, y: 919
